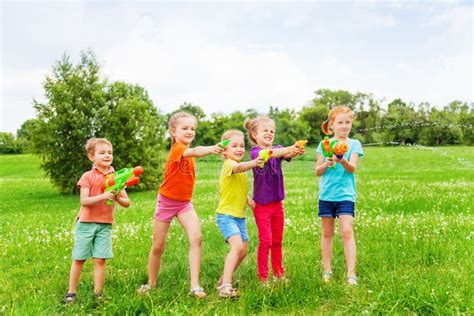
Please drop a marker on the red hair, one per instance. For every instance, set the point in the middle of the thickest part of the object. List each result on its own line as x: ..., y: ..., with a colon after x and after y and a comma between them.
x: 326, y: 127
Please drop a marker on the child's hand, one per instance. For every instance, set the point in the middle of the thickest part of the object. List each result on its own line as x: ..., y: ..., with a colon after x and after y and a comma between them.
x: 330, y: 162
x: 109, y: 195
x: 215, y: 150
x: 296, y: 151
x: 259, y: 161
x: 251, y: 203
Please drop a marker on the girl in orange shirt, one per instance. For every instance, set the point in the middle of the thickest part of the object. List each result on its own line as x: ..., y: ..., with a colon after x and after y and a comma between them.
x: 174, y: 200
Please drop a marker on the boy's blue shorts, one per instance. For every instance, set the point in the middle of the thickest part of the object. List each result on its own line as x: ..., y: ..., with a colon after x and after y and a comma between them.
x: 335, y: 209
x: 231, y: 226
x: 92, y: 240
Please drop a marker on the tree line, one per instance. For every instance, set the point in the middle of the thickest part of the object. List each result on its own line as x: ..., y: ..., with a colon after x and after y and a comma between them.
x: 80, y: 104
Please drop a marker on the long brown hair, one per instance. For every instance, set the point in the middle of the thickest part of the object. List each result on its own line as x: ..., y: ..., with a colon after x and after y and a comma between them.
x: 326, y: 127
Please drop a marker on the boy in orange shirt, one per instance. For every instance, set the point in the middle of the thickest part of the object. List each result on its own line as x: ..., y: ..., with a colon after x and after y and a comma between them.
x: 93, y: 230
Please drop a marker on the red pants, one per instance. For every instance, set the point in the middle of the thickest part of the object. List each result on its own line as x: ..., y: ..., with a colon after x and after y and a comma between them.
x: 270, y: 222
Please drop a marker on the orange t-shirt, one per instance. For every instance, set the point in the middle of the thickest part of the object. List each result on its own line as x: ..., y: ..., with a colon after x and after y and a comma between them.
x: 178, y: 182
x: 99, y: 212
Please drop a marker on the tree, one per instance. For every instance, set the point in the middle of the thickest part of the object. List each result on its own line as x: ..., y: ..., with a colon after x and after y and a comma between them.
x: 81, y: 105
x: 313, y: 116
x: 25, y: 133
x: 289, y: 127
x: 401, y: 123
x: 466, y: 121
x: 8, y: 145
x: 443, y: 128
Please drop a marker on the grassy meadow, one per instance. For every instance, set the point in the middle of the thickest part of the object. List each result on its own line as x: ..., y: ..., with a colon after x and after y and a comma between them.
x: 414, y: 229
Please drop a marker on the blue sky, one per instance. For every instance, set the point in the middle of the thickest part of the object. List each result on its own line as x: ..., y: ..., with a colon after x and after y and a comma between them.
x: 227, y: 56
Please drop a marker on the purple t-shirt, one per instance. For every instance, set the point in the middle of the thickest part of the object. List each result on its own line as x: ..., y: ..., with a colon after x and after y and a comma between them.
x: 268, y: 181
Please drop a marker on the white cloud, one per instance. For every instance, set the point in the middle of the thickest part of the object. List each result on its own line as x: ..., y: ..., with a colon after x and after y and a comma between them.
x: 180, y: 64
x: 232, y: 56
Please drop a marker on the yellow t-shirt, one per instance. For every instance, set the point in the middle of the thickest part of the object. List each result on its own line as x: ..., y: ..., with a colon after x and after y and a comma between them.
x: 233, y: 191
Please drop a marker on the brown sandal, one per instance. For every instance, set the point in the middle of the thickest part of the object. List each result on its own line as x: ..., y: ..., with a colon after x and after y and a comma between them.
x: 227, y: 291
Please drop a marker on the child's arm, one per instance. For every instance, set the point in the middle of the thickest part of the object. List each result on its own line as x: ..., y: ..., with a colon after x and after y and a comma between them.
x: 244, y: 166
x: 250, y: 203
x: 87, y: 200
x: 349, y: 165
x: 123, y: 199
x: 287, y: 152
x: 201, y: 151
x: 322, y: 166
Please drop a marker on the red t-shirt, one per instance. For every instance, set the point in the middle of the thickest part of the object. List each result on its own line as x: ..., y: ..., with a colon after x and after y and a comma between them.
x: 99, y: 212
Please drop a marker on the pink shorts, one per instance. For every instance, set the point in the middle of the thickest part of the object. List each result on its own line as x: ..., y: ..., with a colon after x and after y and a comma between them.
x: 167, y: 208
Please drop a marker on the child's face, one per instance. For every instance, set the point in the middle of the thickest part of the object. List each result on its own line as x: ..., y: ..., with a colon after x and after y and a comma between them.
x: 236, y: 148
x: 103, y: 155
x: 185, y: 130
x: 342, y: 125
x: 265, y: 134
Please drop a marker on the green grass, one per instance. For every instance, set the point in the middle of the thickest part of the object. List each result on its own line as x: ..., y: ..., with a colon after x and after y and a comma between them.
x: 414, y: 229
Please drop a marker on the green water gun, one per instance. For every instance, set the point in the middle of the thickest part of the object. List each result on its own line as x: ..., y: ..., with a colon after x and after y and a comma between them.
x: 265, y: 154
x: 328, y: 148
x: 119, y: 179
x: 223, y: 144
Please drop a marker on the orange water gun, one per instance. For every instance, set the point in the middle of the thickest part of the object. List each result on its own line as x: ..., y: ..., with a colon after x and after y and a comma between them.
x: 333, y: 147
x: 300, y: 143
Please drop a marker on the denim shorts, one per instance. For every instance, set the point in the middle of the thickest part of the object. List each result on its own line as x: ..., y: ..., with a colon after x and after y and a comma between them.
x: 334, y: 209
x: 230, y: 226
x: 92, y: 240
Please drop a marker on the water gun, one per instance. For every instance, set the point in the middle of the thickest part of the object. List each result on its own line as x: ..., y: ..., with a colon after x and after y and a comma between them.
x: 333, y: 147
x: 301, y: 143
x: 265, y: 154
x: 340, y: 149
x: 223, y: 144
x: 119, y: 179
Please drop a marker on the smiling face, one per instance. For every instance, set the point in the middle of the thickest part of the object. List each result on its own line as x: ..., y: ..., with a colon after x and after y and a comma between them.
x: 342, y: 125
x: 236, y: 148
x: 102, y: 156
x: 265, y: 134
x: 185, y: 130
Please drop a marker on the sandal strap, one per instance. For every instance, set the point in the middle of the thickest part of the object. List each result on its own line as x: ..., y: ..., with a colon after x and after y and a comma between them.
x: 196, y: 289
x: 352, y: 277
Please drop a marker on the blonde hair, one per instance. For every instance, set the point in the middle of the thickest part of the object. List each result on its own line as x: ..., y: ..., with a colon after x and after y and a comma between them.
x: 326, y: 127
x: 251, y: 125
x: 173, y: 121
x: 93, y: 142
x: 230, y: 133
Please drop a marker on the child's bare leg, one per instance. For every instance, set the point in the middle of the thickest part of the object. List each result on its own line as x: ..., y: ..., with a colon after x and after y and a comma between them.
x: 160, y: 232
x: 326, y: 241
x: 191, y: 225
x: 238, y: 251
x: 74, y: 274
x: 99, y: 274
x: 347, y: 233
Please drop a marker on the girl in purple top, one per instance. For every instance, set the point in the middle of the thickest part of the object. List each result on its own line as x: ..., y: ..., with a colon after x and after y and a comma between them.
x: 268, y: 194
